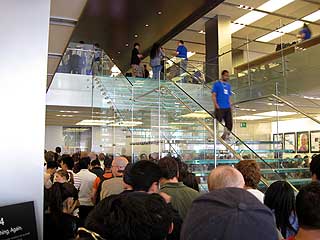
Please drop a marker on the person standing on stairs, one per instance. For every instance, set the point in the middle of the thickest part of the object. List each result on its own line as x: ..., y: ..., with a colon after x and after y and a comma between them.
x: 221, y: 93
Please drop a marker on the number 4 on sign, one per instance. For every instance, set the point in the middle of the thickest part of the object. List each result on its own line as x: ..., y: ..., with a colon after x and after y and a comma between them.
x: 1, y: 221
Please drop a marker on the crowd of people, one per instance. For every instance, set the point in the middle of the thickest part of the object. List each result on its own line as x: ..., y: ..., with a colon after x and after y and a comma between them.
x: 91, y: 196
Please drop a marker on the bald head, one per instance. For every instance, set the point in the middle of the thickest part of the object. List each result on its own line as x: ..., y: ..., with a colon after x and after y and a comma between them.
x: 223, y: 177
x: 118, y: 166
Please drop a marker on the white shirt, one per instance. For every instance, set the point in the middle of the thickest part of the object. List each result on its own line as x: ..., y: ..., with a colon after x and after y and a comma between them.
x: 83, y: 181
x: 47, y: 180
x: 258, y: 194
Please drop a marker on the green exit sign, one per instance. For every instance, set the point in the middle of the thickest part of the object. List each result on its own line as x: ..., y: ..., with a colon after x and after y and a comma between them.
x: 243, y: 124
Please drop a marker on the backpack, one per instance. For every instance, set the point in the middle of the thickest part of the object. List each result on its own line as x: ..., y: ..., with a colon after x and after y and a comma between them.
x: 102, y: 179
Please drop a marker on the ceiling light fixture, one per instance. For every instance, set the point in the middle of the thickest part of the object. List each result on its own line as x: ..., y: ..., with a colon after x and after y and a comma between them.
x: 281, y: 31
x: 253, y: 16
x: 313, y: 17
x: 119, y: 52
x: 147, y: 25
x: 125, y: 124
x: 127, y: 44
x: 245, y: 7
x: 92, y: 122
x: 159, y: 13
x: 64, y: 115
x: 136, y: 35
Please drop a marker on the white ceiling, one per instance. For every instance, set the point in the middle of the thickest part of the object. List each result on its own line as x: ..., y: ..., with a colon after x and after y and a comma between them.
x: 195, y: 41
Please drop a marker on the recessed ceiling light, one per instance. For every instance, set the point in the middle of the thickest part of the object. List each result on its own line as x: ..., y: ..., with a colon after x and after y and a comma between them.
x: 136, y: 35
x: 253, y: 16
x: 119, y: 52
x: 159, y: 13
x: 147, y: 25
x: 127, y: 44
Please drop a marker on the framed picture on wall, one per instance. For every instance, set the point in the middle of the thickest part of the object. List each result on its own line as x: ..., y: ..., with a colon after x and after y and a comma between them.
x: 290, y: 142
x: 315, y: 141
x: 302, y: 142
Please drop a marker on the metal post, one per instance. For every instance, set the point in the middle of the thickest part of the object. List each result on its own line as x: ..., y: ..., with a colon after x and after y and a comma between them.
x: 215, y: 141
x: 248, y: 61
x: 159, y: 118
x: 132, y: 116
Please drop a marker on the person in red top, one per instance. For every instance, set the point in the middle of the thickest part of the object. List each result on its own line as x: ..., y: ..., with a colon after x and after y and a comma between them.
x: 308, y: 211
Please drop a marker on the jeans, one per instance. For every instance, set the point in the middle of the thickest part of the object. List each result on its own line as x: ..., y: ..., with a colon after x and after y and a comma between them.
x: 156, y: 70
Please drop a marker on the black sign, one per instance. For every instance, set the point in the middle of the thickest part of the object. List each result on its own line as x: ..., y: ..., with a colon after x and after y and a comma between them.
x: 18, y: 222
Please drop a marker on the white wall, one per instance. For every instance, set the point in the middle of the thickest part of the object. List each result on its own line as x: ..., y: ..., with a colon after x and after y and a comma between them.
x: 295, y: 125
x: 53, y: 137
x: 24, y: 47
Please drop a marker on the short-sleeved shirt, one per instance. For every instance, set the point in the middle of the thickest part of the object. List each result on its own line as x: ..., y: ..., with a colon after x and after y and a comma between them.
x: 223, y: 93
x: 135, y: 60
x: 307, y: 33
x: 97, y: 181
x: 182, y: 50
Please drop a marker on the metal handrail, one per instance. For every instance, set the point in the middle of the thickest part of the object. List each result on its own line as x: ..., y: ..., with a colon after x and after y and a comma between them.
x: 295, y: 108
x: 288, y: 103
x: 224, y: 143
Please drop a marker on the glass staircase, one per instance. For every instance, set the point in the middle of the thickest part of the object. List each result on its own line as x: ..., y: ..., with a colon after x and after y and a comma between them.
x: 168, y: 117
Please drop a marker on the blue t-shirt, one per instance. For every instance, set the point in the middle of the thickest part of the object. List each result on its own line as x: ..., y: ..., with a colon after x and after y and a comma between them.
x: 182, y: 50
x: 307, y: 33
x: 223, y: 93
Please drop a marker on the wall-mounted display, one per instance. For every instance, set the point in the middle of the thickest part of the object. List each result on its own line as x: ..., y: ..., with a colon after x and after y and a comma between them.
x: 315, y: 141
x: 290, y: 142
x: 303, y: 142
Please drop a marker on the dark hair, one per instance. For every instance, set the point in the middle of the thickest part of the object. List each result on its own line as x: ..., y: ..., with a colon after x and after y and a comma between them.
x: 49, y: 156
x: 169, y: 167
x: 280, y: 198
x: 224, y: 72
x: 131, y: 216
x: 315, y: 166
x: 127, y: 174
x: 154, y: 52
x: 190, y: 180
x: 181, y: 41
x: 59, y: 193
x: 143, y: 174
x: 84, y: 163
x: 308, y: 207
x: 67, y: 159
x: 136, y: 44
x: 95, y: 162
x: 58, y: 149
x: 250, y: 172
x: 52, y: 164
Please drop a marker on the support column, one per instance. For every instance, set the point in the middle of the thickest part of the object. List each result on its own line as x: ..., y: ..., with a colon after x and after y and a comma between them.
x: 24, y: 52
x: 218, y: 47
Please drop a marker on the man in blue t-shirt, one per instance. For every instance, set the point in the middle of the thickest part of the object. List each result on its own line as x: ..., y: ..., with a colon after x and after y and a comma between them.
x: 182, y: 52
x: 221, y: 93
